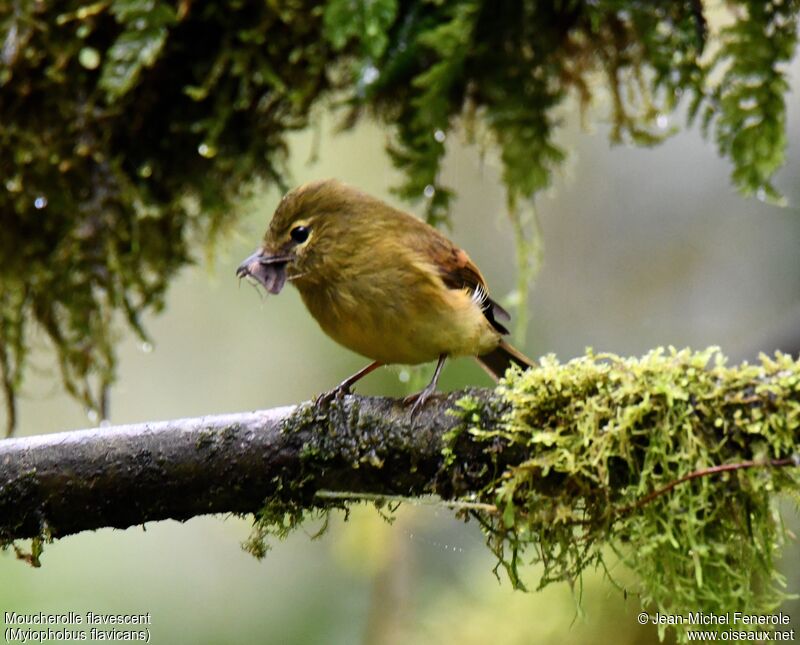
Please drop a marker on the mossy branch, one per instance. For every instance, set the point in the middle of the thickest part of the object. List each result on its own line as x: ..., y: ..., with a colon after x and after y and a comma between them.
x: 674, y: 461
x: 60, y: 484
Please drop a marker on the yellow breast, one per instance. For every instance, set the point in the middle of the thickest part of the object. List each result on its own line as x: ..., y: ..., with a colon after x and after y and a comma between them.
x: 399, y: 313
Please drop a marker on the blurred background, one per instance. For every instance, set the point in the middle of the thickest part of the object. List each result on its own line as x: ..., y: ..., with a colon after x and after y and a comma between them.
x: 642, y: 248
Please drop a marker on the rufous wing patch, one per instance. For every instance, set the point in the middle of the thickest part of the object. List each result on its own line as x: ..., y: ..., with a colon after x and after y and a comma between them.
x: 459, y: 272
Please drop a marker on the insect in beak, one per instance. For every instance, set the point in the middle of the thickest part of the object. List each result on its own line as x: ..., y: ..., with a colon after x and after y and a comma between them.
x: 268, y: 270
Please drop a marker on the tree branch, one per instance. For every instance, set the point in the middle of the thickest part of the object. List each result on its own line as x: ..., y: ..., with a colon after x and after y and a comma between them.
x: 68, y: 482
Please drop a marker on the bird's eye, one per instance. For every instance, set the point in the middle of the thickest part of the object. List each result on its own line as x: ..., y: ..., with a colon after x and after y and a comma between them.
x: 299, y: 234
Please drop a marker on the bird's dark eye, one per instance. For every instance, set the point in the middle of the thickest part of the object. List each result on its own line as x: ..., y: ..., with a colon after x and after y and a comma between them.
x: 299, y: 234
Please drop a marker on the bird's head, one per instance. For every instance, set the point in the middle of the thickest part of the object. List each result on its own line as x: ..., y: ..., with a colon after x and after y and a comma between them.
x: 307, y: 235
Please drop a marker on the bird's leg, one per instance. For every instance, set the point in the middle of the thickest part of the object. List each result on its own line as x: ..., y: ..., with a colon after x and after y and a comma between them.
x: 344, y: 387
x: 420, y: 397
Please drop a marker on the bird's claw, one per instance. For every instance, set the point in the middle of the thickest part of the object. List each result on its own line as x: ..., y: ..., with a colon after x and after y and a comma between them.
x: 337, y: 393
x: 418, y: 400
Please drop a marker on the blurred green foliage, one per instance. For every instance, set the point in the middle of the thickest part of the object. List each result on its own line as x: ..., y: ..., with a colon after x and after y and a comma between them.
x: 130, y: 128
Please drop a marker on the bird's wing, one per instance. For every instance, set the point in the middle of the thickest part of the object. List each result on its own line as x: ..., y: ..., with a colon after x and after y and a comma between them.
x: 458, y: 272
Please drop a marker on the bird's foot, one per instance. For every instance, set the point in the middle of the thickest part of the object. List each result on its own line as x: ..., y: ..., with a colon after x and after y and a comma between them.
x: 418, y: 400
x: 343, y: 388
x: 337, y: 393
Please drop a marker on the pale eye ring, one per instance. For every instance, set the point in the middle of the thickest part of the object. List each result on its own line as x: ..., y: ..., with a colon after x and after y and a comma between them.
x: 299, y: 234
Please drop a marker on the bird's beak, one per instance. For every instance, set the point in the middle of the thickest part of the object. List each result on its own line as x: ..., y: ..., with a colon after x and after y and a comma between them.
x: 269, y: 270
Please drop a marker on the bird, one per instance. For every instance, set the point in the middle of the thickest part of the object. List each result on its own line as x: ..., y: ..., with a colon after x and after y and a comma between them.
x: 382, y: 283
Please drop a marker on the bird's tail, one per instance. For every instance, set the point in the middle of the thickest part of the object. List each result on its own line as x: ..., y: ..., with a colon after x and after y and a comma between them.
x: 500, y: 359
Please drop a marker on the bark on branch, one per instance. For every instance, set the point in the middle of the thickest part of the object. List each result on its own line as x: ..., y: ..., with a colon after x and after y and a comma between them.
x: 60, y: 484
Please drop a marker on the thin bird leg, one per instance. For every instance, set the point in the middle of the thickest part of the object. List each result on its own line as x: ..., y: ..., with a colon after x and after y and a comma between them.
x: 344, y: 387
x: 420, y: 397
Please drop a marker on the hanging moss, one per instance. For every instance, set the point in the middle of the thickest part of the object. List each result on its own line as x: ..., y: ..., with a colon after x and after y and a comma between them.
x: 130, y: 128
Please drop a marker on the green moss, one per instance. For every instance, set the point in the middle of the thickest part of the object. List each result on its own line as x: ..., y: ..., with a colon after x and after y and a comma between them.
x: 335, y: 442
x: 33, y: 556
x: 133, y: 128
x: 596, y: 436
x: 205, y: 439
x: 290, y: 504
x: 277, y: 518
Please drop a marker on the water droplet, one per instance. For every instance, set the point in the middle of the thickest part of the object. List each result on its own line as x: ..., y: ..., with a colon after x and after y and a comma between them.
x: 662, y: 121
x: 10, y: 46
x: 145, y: 170
x: 105, y: 423
x: 761, y: 194
x: 404, y: 376
x: 440, y: 136
x: 146, y: 347
x: 89, y: 57
x: 369, y: 75
x: 191, y: 204
x: 429, y: 191
x: 749, y: 103
x: 14, y: 185
x: 207, y: 151
x: 40, y: 202
x: 93, y: 415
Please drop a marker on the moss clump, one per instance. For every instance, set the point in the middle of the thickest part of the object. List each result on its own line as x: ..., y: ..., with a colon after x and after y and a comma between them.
x: 342, y: 443
x: 600, y: 434
x: 32, y: 557
x: 276, y: 520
